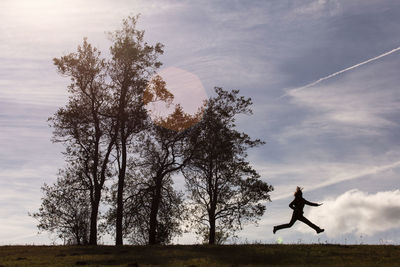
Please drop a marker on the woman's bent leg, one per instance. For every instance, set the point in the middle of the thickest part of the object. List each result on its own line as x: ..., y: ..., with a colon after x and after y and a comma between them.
x: 287, y: 225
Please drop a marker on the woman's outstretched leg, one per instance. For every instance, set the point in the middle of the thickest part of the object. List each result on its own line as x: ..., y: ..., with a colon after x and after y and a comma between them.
x: 287, y: 225
x: 306, y: 221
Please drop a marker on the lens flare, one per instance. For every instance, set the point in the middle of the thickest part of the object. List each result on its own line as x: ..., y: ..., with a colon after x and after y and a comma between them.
x: 175, y: 98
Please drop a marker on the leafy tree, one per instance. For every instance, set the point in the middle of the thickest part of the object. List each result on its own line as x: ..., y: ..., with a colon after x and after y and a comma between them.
x: 225, y: 191
x: 163, y: 152
x: 106, y: 109
x: 132, y: 63
x: 83, y: 126
x: 65, y: 209
x: 153, y: 209
x: 140, y: 189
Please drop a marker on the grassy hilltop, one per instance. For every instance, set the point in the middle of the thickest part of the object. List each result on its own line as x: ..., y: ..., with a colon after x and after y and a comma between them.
x: 199, y: 255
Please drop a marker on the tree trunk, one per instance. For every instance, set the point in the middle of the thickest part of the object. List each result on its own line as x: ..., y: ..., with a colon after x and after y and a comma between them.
x: 154, y: 211
x: 78, y: 239
x: 211, y: 234
x: 122, y: 170
x: 120, y: 201
x: 93, y: 219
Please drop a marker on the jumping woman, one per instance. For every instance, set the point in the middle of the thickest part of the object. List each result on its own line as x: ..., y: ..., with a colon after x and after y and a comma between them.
x: 297, y: 206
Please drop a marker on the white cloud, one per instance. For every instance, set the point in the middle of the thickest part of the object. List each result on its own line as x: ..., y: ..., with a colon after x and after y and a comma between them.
x: 316, y: 9
x: 234, y: 45
x: 358, y: 212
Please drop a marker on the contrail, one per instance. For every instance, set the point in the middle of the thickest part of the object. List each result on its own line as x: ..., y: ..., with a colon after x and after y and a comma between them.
x: 340, y: 72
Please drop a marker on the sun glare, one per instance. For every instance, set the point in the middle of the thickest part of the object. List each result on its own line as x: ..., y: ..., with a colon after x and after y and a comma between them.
x: 43, y: 14
x: 187, y: 90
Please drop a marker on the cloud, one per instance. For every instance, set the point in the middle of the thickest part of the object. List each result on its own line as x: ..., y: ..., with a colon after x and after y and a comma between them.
x: 316, y: 8
x: 357, y: 212
x: 258, y: 48
x: 312, y: 176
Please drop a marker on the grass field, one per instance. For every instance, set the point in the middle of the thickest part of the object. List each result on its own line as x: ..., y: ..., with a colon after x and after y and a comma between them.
x: 196, y: 255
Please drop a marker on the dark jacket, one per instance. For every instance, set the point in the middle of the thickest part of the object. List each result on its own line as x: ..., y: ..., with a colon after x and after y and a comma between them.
x: 297, y: 205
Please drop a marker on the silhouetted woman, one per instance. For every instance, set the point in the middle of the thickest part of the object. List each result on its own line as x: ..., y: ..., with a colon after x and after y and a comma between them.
x: 297, y: 206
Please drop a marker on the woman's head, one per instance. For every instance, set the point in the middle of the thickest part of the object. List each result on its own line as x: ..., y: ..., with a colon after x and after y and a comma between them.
x: 298, y: 192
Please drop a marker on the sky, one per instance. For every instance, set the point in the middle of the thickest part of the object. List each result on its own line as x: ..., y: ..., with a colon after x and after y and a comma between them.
x: 323, y: 76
